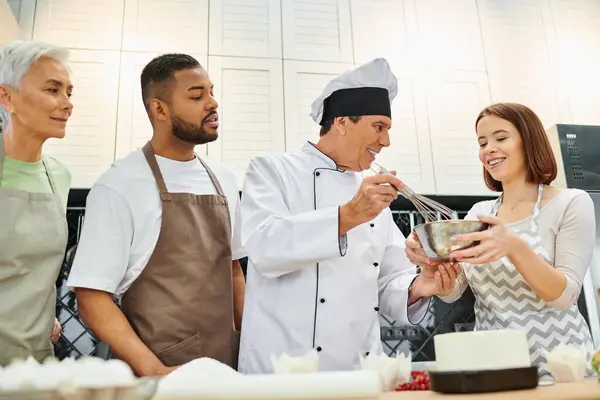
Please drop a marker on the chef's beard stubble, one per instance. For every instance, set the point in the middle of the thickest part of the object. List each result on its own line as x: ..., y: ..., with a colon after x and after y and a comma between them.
x: 192, y: 133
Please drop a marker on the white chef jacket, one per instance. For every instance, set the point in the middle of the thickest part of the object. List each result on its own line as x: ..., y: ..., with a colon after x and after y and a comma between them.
x: 307, y: 288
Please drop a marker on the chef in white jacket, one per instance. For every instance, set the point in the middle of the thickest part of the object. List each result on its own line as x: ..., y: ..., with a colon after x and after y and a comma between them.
x: 324, y: 253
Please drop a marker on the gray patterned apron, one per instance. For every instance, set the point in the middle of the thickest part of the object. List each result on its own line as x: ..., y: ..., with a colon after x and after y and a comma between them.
x: 504, y: 300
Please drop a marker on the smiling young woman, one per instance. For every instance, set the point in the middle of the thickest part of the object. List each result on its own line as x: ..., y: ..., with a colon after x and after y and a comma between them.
x: 528, y: 269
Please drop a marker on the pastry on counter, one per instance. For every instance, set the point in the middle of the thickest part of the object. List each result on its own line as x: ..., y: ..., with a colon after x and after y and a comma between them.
x: 481, y: 350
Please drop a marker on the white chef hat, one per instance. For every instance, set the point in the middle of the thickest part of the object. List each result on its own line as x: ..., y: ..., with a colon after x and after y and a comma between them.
x: 366, y: 90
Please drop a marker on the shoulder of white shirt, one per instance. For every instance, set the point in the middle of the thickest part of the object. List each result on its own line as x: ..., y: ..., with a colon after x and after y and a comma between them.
x: 134, y: 168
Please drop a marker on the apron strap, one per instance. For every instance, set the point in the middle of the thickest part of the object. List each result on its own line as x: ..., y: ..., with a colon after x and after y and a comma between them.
x: 151, y: 158
x: 49, y: 175
x: 212, y: 177
x: 536, y: 210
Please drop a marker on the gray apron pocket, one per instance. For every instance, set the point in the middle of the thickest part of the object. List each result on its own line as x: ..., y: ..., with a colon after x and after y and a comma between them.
x: 179, y: 353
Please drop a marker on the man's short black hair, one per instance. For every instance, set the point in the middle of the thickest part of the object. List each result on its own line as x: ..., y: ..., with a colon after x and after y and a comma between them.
x: 160, y: 72
x: 326, y: 126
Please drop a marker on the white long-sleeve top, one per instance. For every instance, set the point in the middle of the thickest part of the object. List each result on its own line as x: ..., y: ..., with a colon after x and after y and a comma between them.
x: 567, y: 229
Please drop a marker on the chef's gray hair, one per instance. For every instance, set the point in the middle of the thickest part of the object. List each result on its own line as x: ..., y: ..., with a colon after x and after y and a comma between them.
x: 17, y: 57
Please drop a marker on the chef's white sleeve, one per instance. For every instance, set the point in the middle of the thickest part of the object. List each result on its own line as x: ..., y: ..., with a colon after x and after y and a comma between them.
x: 103, y: 249
x: 395, y: 277
x: 237, y: 250
x: 276, y: 241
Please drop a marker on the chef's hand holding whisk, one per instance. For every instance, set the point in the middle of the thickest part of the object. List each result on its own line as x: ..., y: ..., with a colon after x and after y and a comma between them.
x: 375, y: 194
x: 442, y: 274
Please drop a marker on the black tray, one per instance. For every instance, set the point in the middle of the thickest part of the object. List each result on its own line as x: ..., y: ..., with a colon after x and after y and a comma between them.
x: 483, y: 381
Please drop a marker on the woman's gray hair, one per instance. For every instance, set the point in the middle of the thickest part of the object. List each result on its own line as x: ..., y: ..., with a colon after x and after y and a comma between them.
x: 17, y: 57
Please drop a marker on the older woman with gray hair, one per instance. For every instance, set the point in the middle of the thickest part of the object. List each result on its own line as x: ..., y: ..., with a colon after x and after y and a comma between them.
x: 35, y: 105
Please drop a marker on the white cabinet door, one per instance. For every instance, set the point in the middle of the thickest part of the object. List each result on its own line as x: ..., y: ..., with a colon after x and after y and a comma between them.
x: 83, y: 24
x: 250, y: 96
x: 409, y: 153
x: 577, y: 25
x: 166, y: 26
x: 453, y: 102
x: 24, y: 11
x: 514, y: 30
x: 317, y: 30
x: 448, y: 35
x: 133, y: 125
x: 249, y: 28
x: 88, y: 148
x: 379, y: 29
x: 303, y: 82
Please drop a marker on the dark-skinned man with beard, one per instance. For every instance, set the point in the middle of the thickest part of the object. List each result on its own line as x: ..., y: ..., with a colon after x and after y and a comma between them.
x: 160, y: 235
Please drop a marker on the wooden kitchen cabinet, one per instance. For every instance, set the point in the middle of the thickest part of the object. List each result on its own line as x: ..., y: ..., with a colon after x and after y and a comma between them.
x: 453, y: 102
x: 24, y: 12
x: 317, y: 30
x: 531, y: 80
x: 409, y: 153
x: 77, y: 24
x: 383, y: 28
x: 250, y: 96
x: 448, y: 35
x: 89, y: 145
x: 303, y: 82
x: 245, y: 28
x: 166, y: 26
x: 576, y: 58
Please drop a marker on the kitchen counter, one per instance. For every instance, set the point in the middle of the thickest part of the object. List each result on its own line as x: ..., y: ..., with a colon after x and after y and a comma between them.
x: 586, y: 390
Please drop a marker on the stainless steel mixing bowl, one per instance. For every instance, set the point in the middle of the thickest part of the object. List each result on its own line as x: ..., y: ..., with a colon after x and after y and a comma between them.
x: 436, y: 237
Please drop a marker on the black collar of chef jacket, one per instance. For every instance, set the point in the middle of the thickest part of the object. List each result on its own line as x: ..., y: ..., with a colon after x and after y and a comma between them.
x: 325, y: 155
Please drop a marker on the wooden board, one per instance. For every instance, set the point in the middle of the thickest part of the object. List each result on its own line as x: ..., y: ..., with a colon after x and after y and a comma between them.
x: 585, y: 390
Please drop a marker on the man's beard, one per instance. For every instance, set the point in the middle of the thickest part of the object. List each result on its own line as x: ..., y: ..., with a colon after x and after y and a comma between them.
x: 191, y: 133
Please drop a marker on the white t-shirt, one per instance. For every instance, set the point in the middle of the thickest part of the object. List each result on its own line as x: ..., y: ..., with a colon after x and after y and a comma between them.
x: 123, y: 218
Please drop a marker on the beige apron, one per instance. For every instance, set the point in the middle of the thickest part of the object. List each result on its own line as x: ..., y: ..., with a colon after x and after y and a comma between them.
x: 181, y: 305
x: 33, y: 239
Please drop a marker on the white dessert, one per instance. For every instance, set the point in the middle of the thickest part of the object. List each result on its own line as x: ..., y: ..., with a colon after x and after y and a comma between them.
x: 207, y: 379
x: 481, y: 350
x: 305, y: 364
x: 392, y: 370
x: 567, y: 362
x: 69, y: 375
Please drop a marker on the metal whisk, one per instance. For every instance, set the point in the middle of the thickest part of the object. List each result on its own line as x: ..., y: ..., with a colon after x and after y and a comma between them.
x: 431, y: 210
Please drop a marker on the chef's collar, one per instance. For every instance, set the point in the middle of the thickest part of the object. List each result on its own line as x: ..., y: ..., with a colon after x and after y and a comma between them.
x: 311, y: 148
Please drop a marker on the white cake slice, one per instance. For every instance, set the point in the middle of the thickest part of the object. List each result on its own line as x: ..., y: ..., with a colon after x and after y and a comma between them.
x: 481, y: 350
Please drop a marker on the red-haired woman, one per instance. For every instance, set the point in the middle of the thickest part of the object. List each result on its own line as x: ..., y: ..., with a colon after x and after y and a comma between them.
x: 528, y: 269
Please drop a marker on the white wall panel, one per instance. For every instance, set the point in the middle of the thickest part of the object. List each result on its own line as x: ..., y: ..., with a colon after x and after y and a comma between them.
x: 303, y: 82
x: 577, y: 29
x: 517, y: 57
x: 448, y: 35
x: 88, y: 148
x: 250, y: 28
x: 317, y: 30
x: 453, y: 102
x: 83, y: 24
x: 381, y: 28
x: 409, y: 153
x: 250, y: 93
x: 166, y: 26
